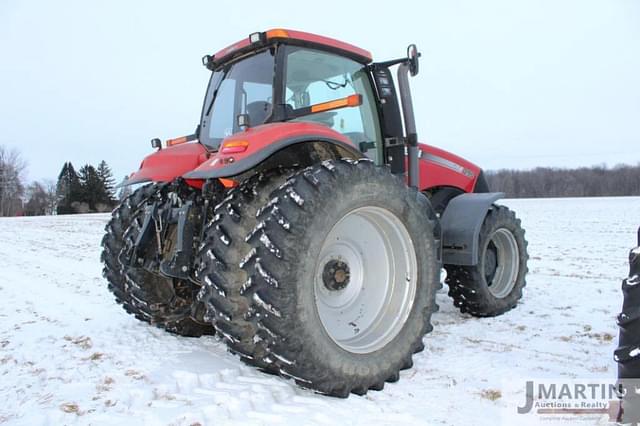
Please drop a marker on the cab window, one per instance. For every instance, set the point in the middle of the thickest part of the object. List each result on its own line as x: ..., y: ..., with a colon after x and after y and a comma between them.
x: 242, y: 87
x: 313, y: 77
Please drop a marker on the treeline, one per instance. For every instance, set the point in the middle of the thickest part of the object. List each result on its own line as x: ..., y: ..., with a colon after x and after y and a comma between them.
x: 90, y: 189
x: 596, y: 181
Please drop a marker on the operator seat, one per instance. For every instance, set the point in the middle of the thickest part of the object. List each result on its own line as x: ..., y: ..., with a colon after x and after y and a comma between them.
x: 258, y: 112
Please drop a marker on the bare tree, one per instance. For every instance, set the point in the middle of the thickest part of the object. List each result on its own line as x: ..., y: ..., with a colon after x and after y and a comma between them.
x: 41, y: 198
x: 50, y: 190
x: 36, y: 204
x: 12, y: 168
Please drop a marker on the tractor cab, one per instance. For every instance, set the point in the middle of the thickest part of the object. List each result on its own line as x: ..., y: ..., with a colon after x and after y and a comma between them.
x: 290, y: 76
x: 291, y: 97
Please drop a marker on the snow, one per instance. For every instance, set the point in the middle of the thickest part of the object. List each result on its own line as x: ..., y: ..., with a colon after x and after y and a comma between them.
x: 328, y: 164
x: 70, y: 355
x: 267, y: 307
x: 223, y: 237
x: 269, y: 245
x: 297, y: 198
x: 248, y: 257
x: 266, y: 276
x: 267, y: 206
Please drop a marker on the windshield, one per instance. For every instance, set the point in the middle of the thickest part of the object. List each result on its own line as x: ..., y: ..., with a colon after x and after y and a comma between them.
x: 242, y: 87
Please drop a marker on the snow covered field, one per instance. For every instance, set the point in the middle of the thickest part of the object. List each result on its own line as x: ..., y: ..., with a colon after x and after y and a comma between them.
x: 69, y: 354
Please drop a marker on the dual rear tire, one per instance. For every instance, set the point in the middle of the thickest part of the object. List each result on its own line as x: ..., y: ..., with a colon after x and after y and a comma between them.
x: 318, y: 275
x: 326, y: 275
x: 165, y: 302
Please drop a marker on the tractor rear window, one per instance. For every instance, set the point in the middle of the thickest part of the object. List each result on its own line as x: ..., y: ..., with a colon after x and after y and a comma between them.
x: 243, y: 87
x: 314, y: 77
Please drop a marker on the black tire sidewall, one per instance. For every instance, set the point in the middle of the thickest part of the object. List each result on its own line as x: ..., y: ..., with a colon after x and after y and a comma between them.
x: 370, y: 188
x: 501, y: 218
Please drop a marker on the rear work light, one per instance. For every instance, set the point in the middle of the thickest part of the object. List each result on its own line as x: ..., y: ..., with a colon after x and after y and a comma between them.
x: 234, y: 147
x: 255, y: 38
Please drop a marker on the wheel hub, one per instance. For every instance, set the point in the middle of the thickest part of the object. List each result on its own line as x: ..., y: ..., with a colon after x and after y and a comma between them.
x: 491, y: 262
x: 335, y: 275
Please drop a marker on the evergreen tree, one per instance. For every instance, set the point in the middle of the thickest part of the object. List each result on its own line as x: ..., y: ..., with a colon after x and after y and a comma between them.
x: 68, y: 189
x: 61, y: 185
x: 106, y: 177
x: 92, y: 189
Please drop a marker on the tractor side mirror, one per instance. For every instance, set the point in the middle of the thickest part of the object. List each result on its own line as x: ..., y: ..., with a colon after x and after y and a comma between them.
x: 156, y: 143
x: 412, y: 56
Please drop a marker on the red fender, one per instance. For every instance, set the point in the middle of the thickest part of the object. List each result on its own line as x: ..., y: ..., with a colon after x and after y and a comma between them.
x: 169, y: 163
x: 260, y: 142
x: 441, y: 168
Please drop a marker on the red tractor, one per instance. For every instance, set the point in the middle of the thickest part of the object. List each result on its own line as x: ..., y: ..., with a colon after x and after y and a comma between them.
x: 303, y: 222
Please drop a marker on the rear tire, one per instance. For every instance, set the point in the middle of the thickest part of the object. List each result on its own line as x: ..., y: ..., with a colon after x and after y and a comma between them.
x: 221, y: 258
x: 323, y: 231
x: 493, y: 286
x: 113, y: 243
x: 164, y: 302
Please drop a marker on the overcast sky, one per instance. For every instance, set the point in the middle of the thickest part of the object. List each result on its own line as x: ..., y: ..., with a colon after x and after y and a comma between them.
x: 507, y: 84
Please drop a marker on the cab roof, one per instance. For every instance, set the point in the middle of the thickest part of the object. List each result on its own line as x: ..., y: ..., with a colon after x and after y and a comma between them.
x: 300, y: 38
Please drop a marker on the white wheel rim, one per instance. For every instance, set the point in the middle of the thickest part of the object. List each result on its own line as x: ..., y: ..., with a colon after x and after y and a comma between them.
x: 507, y: 263
x: 365, y: 279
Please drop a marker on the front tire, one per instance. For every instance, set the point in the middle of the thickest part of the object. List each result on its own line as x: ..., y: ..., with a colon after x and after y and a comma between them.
x: 341, y: 275
x: 493, y: 286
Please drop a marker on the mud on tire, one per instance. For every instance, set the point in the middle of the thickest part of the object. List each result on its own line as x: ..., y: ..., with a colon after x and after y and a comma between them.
x: 287, y: 264
x: 160, y: 301
x: 220, y: 258
x: 113, y: 242
x: 493, y: 286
